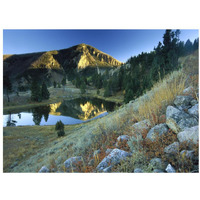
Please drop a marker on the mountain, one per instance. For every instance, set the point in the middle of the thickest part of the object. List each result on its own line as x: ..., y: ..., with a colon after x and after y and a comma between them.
x: 57, y: 62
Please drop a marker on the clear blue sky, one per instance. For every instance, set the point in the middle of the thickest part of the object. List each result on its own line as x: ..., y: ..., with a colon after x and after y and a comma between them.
x: 121, y: 44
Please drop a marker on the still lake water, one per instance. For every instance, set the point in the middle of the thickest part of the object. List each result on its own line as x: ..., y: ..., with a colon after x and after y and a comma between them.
x: 68, y: 111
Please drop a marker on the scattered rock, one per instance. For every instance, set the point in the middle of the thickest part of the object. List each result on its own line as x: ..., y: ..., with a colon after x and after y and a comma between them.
x: 158, y: 171
x: 172, y: 149
x: 73, y: 163
x: 142, y: 126
x: 107, y: 169
x: 194, y: 110
x: 108, y: 151
x: 156, y: 163
x: 156, y: 131
x: 122, y: 139
x: 138, y: 170
x: 44, y: 169
x: 189, y: 135
x: 178, y: 120
x: 170, y: 169
x: 112, y: 159
x: 183, y: 102
x: 188, y: 91
x: 193, y: 102
x: 188, y: 154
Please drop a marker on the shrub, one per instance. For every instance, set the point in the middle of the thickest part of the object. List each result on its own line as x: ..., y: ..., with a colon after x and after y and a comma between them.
x: 60, y: 128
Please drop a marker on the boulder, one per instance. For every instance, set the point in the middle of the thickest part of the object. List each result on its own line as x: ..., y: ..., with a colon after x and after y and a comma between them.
x: 193, y: 102
x: 108, y: 151
x: 44, y: 169
x: 122, y: 139
x: 156, y: 163
x: 194, y: 110
x: 190, y: 135
x: 114, y: 158
x: 183, y: 101
x: 170, y: 169
x: 178, y: 120
x: 188, y: 91
x: 107, y: 169
x: 172, y: 149
x: 156, y: 131
x: 158, y: 171
x: 72, y: 164
x: 142, y: 126
x: 138, y: 170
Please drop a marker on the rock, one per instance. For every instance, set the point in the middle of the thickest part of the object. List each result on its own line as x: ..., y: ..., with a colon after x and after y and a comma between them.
x: 188, y: 91
x: 190, y: 135
x: 73, y: 163
x: 108, y: 151
x: 183, y: 101
x: 172, y: 149
x: 122, y: 139
x: 157, y: 130
x: 156, y: 163
x: 138, y: 170
x: 142, y: 126
x: 44, y: 169
x: 170, y: 169
x: 158, y: 171
x: 187, y: 123
x: 193, y: 102
x: 178, y: 120
x: 194, y: 110
x: 114, y: 158
x: 107, y: 169
x: 188, y: 154
x: 91, y: 162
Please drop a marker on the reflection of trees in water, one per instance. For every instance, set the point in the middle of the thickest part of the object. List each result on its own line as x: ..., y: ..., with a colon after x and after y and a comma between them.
x: 10, y: 122
x: 38, y: 112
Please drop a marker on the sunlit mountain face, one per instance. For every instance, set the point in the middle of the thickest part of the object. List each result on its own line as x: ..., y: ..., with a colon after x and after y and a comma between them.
x: 89, y: 111
x: 54, y: 107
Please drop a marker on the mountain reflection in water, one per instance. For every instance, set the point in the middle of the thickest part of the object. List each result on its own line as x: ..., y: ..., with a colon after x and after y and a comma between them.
x: 69, y: 112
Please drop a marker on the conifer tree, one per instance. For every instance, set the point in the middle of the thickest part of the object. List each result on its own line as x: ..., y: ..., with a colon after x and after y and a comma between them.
x: 44, y: 91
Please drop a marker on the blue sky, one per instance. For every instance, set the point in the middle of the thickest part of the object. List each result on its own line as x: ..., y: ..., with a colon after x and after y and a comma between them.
x: 121, y: 44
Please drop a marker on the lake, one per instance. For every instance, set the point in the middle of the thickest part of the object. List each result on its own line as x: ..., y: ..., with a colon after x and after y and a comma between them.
x: 74, y: 111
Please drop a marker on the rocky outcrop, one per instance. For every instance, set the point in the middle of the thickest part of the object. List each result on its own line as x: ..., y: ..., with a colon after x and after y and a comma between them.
x: 142, y: 126
x: 157, y: 131
x: 178, y: 120
x: 44, y: 169
x: 114, y: 158
x: 122, y: 139
x: 170, y: 169
x: 172, y: 149
x: 73, y: 164
x: 190, y: 135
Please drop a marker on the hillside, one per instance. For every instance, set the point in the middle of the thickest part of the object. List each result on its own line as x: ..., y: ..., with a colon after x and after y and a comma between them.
x: 78, y: 57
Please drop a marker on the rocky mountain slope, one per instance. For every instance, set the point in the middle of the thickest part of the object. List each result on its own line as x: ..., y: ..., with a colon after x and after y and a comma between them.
x: 62, y: 61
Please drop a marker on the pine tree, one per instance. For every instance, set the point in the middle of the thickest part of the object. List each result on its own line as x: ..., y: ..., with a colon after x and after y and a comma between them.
x: 44, y: 91
x: 35, y: 91
x: 7, y: 86
x: 63, y: 81
x: 54, y: 84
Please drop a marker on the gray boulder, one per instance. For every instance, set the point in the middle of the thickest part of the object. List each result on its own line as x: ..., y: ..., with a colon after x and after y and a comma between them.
x: 188, y: 91
x: 172, y: 149
x: 183, y: 101
x: 73, y: 163
x: 108, y: 151
x: 193, y: 102
x: 194, y: 110
x: 138, y: 170
x: 141, y: 126
x: 107, y: 169
x: 44, y: 169
x: 114, y: 158
x: 190, y: 135
x: 156, y: 131
x: 158, y: 171
x: 122, y: 139
x: 188, y: 154
x: 170, y: 169
x: 156, y: 163
x: 178, y: 120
